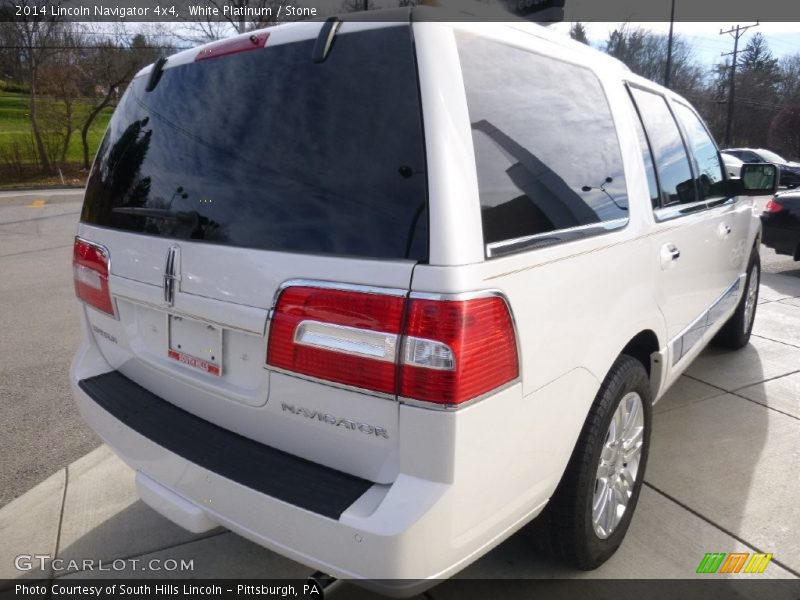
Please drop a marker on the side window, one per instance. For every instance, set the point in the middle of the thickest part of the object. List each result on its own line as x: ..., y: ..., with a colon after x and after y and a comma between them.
x: 546, y: 148
x: 647, y: 159
x: 672, y: 163
x: 710, y: 174
x: 750, y: 157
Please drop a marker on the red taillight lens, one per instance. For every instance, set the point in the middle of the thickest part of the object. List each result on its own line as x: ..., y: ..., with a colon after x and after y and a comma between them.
x: 90, y: 272
x: 450, y: 351
x: 773, y: 206
x: 338, y: 335
x: 480, y: 335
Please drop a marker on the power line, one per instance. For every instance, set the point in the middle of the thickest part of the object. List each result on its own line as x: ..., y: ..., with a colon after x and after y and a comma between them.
x: 736, y: 32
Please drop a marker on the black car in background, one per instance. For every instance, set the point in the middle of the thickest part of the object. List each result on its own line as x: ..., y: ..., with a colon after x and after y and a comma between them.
x: 781, y: 224
x: 790, y: 171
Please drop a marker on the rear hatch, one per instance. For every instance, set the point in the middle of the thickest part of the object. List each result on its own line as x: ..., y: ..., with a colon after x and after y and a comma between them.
x: 238, y: 174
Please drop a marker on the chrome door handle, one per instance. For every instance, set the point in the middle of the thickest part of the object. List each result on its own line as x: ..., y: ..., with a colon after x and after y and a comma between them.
x: 669, y: 254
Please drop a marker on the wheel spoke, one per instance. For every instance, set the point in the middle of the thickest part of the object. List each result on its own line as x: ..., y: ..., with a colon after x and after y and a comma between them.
x: 618, y: 465
x: 627, y: 479
x: 600, y: 503
x: 633, y: 446
x: 610, y: 510
x: 631, y: 418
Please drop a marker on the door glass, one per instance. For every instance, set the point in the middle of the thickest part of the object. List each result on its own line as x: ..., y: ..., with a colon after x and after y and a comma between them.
x: 710, y: 175
x: 546, y: 149
x: 672, y: 163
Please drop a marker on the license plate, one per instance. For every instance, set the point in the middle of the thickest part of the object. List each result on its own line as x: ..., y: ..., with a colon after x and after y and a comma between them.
x: 195, y: 344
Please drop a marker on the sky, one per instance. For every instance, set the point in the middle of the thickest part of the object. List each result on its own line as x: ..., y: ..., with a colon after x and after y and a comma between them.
x: 708, y: 44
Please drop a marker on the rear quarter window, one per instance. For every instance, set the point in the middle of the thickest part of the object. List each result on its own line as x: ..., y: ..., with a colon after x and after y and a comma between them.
x: 266, y: 149
x: 546, y: 148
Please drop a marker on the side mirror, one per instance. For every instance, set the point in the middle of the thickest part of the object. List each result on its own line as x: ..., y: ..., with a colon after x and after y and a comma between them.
x: 758, y: 179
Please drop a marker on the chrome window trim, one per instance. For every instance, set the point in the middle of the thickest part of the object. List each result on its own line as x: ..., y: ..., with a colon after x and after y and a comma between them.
x: 678, y: 210
x: 521, y: 244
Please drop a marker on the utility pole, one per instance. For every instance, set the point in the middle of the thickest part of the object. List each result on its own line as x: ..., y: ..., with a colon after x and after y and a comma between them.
x: 736, y: 32
x: 668, y: 70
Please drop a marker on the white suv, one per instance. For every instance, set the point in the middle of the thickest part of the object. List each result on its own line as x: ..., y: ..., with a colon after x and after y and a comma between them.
x: 376, y: 295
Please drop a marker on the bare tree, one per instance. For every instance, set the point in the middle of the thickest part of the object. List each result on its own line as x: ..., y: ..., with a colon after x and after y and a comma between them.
x: 645, y: 52
x: 107, y: 69
x: 789, y: 84
x: 34, y: 36
x: 59, y: 87
x: 784, y: 131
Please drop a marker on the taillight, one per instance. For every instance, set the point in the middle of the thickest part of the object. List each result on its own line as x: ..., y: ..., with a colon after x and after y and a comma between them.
x: 444, y: 351
x: 773, y: 206
x: 456, y: 350
x: 337, y: 335
x: 90, y: 272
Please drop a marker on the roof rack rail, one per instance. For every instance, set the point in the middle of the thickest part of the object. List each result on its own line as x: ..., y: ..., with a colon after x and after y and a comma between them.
x: 325, y: 39
x: 155, y: 74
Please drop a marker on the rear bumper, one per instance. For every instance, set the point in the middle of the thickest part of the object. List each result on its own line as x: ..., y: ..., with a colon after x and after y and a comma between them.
x: 398, y: 538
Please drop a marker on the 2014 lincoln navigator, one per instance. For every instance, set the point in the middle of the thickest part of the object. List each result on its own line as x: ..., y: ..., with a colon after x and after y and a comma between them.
x: 376, y: 295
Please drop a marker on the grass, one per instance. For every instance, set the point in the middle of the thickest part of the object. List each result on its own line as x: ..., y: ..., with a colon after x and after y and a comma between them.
x: 15, y: 126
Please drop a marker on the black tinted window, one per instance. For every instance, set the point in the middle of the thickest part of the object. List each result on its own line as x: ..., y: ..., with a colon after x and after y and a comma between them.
x: 710, y: 176
x: 545, y: 144
x: 267, y: 149
x: 674, y: 172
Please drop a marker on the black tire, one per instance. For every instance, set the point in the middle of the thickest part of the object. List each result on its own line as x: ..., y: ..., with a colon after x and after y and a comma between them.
x: 735, y: 334
x: 565, y: 528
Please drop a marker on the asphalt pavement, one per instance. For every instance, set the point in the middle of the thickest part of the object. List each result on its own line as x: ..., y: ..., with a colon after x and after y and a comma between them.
x: 40, y: 429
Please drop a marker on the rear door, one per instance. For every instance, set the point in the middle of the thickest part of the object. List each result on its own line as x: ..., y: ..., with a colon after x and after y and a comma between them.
x: 684, y: 242
x: 236, y: 176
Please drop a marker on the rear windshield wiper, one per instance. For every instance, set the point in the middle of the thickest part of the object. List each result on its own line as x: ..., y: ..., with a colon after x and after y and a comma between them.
x: 182, y: 216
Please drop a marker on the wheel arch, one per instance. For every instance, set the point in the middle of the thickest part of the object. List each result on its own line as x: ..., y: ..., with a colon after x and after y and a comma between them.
x: 642, y: 347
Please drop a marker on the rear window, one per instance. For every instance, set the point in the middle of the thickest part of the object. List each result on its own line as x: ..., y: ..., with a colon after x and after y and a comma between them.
x: 546, y: 149
x: 267, y: 149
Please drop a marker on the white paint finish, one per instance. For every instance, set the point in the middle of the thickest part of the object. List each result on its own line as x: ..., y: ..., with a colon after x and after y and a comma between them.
x: 170, y: 505
x: 412, y: 535
x: 606, y: 307
x: 456, y: 236
x: 451, y: 485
